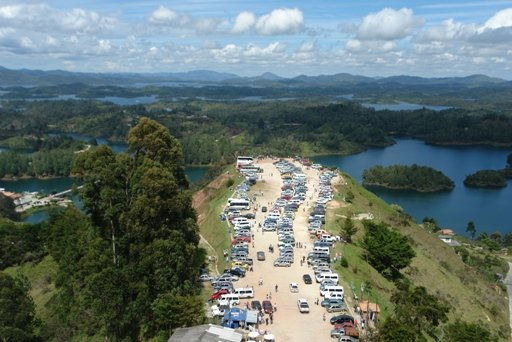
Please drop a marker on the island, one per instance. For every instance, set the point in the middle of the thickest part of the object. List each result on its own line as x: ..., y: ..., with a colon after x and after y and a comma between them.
x: 486, y: 179
x: 407, y: 177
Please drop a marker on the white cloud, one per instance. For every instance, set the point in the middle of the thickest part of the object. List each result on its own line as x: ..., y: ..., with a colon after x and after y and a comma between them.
x: 388, y: 24
x: 272, y: 49
x: 501, y: 19
x: 281, y: 21
x: 42, y: 18
x: 164, y: 15
x: 244, y: 22
x: 353, y: 45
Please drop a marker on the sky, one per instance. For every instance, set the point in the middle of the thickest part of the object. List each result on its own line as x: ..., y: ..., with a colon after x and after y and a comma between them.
x: 248, y: 37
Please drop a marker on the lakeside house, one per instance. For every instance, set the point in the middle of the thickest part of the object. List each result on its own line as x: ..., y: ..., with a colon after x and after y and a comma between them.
x: 205, y: 333
x: 446, y: 232
x: 448, y: 239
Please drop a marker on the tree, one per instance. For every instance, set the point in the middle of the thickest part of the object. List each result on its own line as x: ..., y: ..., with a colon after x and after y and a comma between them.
x: 418, y: 309
x: 7, y: 208
x: 394, y: 330
x: 460, y: 331
x: 349, y: 197
x: 139, y: 243
x: 17, y: 310
x: 509, y: 160
x: 347, y: 230
x: 471, y: 229
x: 386, y: 250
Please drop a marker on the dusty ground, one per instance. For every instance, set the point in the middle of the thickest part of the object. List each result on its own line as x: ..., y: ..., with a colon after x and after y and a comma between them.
x: 289, y: 324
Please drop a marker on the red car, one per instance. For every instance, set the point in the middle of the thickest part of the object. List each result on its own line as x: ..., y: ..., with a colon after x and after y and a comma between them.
x: 267, y: 306
x: 217, y: 294
x: 239, y: 239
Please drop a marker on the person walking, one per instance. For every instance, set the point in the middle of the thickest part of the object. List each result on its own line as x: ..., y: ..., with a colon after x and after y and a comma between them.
x: 276, y: 287
x: 324, y: 317
x: 271, y: 319
x: 266, y: 321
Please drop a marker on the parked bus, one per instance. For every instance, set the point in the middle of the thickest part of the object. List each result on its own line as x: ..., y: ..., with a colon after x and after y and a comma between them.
x: 238, y: 204
x: 243, y: 161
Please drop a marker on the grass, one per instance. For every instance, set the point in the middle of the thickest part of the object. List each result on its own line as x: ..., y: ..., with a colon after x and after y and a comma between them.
x: 215, y: 231
x: 436, y: 266
x: 41, y: 276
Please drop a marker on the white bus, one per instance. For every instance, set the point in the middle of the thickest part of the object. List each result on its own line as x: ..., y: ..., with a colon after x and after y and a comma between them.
x: 238, y: 204
x: 243, y: 161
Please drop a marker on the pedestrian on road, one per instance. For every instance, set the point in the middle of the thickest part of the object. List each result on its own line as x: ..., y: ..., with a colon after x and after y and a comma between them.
x: 275, y: 307
x: 266, y: 321
x: 276, y: 287
x: 270, y: 296
x: 271, y: 319
x: 324, y: 317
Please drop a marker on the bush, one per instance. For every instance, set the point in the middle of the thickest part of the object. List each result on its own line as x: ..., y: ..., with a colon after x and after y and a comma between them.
x: 344, y: 262
x: 230, y: 183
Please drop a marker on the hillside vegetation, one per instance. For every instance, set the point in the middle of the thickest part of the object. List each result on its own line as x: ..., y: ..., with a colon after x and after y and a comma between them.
x: 486, y: 179
x: 470, y: 295
x: 404, y: 177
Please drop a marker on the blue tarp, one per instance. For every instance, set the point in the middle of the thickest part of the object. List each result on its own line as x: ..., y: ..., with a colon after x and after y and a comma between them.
x: 233, y: 317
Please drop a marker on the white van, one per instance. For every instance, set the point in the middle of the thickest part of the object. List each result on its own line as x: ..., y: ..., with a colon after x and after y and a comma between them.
x: 230, y: 298
x: 330, y: 290
x: 320, y: 277
x: 333, y: 277
x: 244, y: 292
x: 334, y: 295
x: 321, y: 249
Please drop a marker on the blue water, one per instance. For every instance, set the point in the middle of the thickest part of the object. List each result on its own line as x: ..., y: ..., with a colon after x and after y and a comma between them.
x: 116, y: 147
x: 402, y: 106
x: 55, y: 185
x: 128, y: 101
x: 490, y: 209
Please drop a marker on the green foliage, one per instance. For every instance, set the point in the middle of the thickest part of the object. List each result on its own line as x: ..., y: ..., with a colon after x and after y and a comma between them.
x: 19, y: 242
x: 17, y: 311
x: 347, y: 229
x: 386, y: 250
x: 7, y: 208
x: 344, y: 262
x: 460, y: 331
x: 120, y: 267
x: 431, y: 224
x: 471, y: 229
x: 486, y: 179
x: 230, y: 183
x: 417, y: 313
x: 414, y: 177
x: 349, y: 197
x: 55, y: 162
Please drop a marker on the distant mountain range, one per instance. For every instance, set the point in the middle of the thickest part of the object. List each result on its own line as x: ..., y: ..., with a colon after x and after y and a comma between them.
x: 25, y: 77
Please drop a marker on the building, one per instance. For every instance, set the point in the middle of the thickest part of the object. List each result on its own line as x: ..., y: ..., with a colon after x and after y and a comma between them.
x: 205, y: 333
x: 448, y: 239
x: 446, y: 232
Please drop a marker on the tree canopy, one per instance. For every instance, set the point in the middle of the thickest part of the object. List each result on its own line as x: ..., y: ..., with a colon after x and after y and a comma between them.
x: 386, y: 250
x: 17, y: 310
x: 136, y: 254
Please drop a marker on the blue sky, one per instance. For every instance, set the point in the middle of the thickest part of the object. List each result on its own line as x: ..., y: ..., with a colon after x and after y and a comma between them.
x: 248, y: 37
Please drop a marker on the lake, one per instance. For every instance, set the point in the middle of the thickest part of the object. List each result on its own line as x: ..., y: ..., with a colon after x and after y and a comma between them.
x: 490, y: 209
x: 402, y: 106
x: 52, y: 185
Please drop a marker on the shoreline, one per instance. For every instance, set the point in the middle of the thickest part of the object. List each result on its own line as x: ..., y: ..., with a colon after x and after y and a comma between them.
x: 404, y: 188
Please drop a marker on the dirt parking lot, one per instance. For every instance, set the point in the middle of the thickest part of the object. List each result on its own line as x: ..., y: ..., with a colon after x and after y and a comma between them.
x: 289, y: 324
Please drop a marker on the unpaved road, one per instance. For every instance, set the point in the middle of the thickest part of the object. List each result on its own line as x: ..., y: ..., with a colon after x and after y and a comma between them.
x: 508, y: 283
x: 289, y: 324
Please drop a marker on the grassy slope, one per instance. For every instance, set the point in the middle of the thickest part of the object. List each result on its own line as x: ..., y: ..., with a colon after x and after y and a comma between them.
x: 436, y: 266
x: 209, y: 203
x: 41, y: 276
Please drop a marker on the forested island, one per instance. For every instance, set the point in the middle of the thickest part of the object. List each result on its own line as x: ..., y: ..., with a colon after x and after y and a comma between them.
x: 38, y: 157
x: 405, y: 177
x: 490, y: 178
x: 486, y: 179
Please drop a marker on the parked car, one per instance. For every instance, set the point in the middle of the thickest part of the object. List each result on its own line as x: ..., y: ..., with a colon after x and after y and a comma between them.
x: 217, y: 294
x: 267, y: 307
x: 260, y: 256
x: 281, y: 263
x: 237, y: 271
x: 256, y: 305
x: 219, y: 310
x: 303, y: 305
x: 331, y: 301
x: 294, y: 287
x: 336, y: 307
x: 341, y: 319
x: 205, y: 277
x: 336, y: 333
x: 307, y: 279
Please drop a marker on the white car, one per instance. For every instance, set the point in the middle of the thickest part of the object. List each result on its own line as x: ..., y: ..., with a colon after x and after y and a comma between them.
x: 303, y: 305
x: 204, y: 277
x: 219, y: 310
x: 294, y: 287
